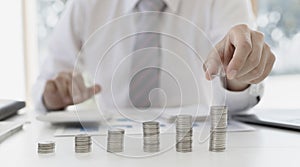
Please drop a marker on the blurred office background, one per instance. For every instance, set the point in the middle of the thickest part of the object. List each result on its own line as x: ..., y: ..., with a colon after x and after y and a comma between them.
x: 29, y: 23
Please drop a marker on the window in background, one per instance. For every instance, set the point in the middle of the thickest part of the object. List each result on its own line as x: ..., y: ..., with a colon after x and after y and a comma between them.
x: 12, y: 70
x: 280, y: 22
x: 48, y: 15
x: 278, y: 19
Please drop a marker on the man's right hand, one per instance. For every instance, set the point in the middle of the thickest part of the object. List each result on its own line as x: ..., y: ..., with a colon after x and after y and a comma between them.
x: 67, y: 89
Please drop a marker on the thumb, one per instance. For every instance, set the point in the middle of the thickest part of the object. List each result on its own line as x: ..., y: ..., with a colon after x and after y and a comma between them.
x: 93, y: 90
x: 50, y: 87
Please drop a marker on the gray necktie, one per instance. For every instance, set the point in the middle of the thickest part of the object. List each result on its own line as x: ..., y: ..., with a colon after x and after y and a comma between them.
x: 146, y: 61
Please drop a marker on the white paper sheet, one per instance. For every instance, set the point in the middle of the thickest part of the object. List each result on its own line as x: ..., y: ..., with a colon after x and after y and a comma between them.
x: 132, y: 128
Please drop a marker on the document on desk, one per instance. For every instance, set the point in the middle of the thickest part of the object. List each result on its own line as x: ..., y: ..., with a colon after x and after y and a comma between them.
x: 133, y: 128
x: 131, y: 120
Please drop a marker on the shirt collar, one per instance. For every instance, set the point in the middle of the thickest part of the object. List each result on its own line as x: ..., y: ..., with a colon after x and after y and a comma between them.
x: 173, y: 5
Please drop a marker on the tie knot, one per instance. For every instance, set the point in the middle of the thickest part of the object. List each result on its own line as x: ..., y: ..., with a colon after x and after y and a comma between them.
x: 151, y: 5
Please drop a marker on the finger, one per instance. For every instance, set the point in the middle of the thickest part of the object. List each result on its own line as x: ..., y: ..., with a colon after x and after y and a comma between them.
x: 268, y: 69
x: 213, y: 64
x: 66, y: 76
x: 84, y: 92
x: 51, y: 97
x: 50, y: 87
x: 76, y: 93
x: 255, y: 57
x: 93, y: 90
x: 211, y: 68
x: 78, y: 79
x: 97, y: 89
x: 89, y: 92
x: 258, y: 71
x: 70, y: 90
x: 68, y: 80
x: 240, y: 38
x: 228, y: 52
x: 62, y: 87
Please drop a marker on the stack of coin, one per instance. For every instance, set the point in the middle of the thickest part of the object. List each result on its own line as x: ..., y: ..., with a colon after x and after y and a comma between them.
x: 115, y: 140
x: 184, y: 133
x: 218, y: 117
x: 46, y: 147
x: 83, y: 143
x: 151, y: 136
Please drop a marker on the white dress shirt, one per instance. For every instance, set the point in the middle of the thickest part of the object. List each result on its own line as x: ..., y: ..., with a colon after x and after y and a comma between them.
x: 95, y: 37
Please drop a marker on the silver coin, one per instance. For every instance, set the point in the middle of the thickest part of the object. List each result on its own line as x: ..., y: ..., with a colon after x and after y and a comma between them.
x: 151, y: 149
x: 46, y: 147
x: 83, y: 151
x: 82, y: 136
x: 151, y: 138
x: 218, y: 117
x: 184, y: 150
x: 116, y: 131
x: 115, y: 140
x: 151, y: 134
x: 151, y: 142
x: 46, y: 143
x: 184, y: 133
x: 83, y: 143
x: 115, y: 150
x: 151, y: 125
x: 45, y: 152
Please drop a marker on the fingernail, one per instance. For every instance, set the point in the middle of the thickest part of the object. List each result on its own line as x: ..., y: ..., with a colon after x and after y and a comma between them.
x: 232, y: 74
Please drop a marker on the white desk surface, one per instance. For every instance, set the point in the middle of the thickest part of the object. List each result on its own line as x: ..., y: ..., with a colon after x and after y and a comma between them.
x: 263, y: 147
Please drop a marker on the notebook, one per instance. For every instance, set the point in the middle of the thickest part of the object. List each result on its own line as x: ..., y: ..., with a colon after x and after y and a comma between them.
x: 9, y: 108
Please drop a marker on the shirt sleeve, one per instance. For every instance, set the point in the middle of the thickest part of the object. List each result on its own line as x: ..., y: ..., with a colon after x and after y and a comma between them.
x: 64, y: 45
x: 225, y: 15
x: 239, y: 102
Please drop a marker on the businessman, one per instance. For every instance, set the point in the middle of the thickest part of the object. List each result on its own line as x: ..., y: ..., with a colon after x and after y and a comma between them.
x: 229, y: 25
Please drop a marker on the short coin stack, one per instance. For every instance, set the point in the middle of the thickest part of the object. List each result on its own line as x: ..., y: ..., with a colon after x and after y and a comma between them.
x: 218, y: 117
x: 46, y: 147
x: 115, y: 140
x: 83, y: 143
x: 184, y: 133
x: 151, y: 136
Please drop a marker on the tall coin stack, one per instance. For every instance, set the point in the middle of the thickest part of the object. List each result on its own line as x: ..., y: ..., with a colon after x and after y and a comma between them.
x: 115, y: 140
x: 184, y: 133
x: 46, y: 147
x: 218, y: 116
x: 151, y: 136
x: 83, y: 143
